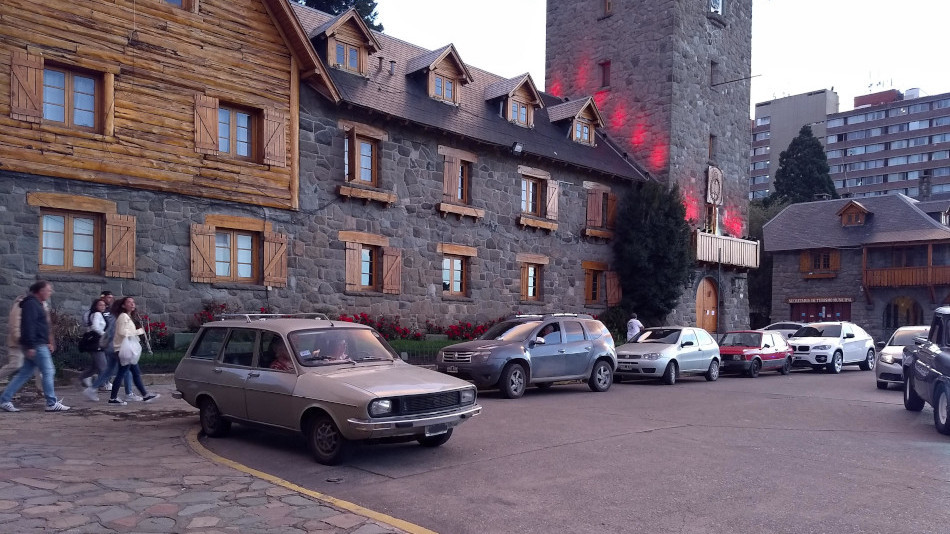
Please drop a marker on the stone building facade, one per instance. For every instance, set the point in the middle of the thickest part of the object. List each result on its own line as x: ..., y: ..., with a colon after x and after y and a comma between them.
x: 672, y: 80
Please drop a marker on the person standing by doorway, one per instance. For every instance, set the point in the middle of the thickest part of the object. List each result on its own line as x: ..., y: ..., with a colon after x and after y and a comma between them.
x: 38, y: 345
x: 633, y: 327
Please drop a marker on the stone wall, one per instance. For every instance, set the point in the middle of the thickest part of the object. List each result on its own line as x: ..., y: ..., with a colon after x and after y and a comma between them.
x: 410, y: 167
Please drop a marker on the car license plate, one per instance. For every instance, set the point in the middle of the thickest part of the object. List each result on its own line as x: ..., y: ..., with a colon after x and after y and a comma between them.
x: 625, y: 366
x: 435, y: 430
x: 452, y: 369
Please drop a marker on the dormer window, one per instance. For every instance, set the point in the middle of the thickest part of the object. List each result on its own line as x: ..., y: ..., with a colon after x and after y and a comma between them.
x: 517, y: 99
x: 444, y: 73
x: 853, y: 214
x: 349, y: 42
x: 583, y: 133
x: 348, y: 57
x: 444, y: 88
x: 520, y: 113
x: 583, y: 116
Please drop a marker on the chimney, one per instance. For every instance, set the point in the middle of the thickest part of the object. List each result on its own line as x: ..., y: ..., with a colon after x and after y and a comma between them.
x: 923, y: 186
x: 822, y: 196
x: 392, y: 67
x: 380, y: 68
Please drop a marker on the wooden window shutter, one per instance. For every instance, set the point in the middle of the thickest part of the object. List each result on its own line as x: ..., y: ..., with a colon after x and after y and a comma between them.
x: 202, y: 253
x: 353, y: 266
x: 392, y: 270
x: 352, y: 155
x: 450, y: 180
x: 275, y: 140
x: 26, y: 87
x: 611, y: 211
x: 206, y: 124
x: 805, y: 262
x: 552, y: 190
x: 835, y: 260
x: 594, y: 208
x: 614, y: 293
x: 120, y: 246
x: 275, y: 259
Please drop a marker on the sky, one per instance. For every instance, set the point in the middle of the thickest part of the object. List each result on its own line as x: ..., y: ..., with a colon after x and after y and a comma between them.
x: 855, y: 46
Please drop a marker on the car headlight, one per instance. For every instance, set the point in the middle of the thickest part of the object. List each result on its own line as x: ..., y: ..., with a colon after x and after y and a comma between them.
x: 821, y: 347
x: 467, y: 396
x: 651, y: 356
x: 887, y: 358
x: 481, y: 356
x: 380, y: 407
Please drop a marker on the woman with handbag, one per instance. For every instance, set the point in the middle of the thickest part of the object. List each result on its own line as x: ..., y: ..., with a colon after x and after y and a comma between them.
x: 126, y: 344
x: 90, y: 342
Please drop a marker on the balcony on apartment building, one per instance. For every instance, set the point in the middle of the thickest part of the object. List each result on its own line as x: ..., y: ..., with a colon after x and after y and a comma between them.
x: 907, y: 266
x: 724, y: 250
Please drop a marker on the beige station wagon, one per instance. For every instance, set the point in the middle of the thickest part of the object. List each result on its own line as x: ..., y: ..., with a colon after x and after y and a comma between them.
x: 335, y: 382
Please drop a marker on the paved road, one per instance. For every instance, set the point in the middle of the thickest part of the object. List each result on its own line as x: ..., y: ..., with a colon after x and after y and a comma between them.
x: 798, y: 454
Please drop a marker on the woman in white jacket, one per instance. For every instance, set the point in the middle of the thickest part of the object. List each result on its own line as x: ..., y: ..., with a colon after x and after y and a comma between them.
x: 127, y: 326
x: 95, y: 322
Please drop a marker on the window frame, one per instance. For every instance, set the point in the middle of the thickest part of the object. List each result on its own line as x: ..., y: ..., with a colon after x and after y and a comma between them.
x: 456, y: 263
x: 69, y: 75
x: 595, y: 286
x: 98, y: 237
x: 374, y: 273
x: 515, y: 118
x: 580, y: 125
x: 527, y: 180
x: 256, y: 249
x: 349, y: 51
x: 604, y: 73
x: 254, y: 132
x: 526, y: 281
x: 439, y: 84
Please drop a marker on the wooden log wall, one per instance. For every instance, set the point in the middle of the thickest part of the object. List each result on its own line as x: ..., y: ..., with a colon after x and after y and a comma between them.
x: 159, y: 56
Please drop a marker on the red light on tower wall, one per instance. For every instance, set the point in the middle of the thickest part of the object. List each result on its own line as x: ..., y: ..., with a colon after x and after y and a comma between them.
x: 659, y: 156
x: 732, y: 223
x: 555, y: 88
x: 618, y: 118
x: 691, y: 204
x: 639, y: 135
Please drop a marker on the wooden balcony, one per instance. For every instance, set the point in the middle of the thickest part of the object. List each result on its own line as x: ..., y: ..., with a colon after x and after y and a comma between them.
x: 729, y: 251
x: 907, y: 276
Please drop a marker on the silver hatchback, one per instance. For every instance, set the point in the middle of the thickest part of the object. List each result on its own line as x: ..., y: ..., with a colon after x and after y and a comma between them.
x: 669, y: 352
x: 334, y: 382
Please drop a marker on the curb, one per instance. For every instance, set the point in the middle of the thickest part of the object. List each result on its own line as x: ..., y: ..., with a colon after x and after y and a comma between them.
x: 191, y: 438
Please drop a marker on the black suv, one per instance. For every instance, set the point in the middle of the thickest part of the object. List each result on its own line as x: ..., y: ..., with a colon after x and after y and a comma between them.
x: 927, y: 371
x: 535, y: 349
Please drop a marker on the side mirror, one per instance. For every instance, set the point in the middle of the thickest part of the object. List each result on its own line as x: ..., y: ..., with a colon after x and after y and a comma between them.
x: 767, y: 346
x: 539, y: 341
x: 919, y: 340
x: 687, y: 344
x: 881, y: 344
x: 849, y: 335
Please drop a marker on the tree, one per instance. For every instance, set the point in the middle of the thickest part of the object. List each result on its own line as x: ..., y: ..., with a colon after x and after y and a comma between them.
x: 803, y: 170
x: 760, y: 280
x: 366, y: 9
x: 651, y: 250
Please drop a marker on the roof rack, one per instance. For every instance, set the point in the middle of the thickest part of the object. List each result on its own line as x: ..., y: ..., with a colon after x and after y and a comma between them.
x: 560, y: 314
x: 248, y: 317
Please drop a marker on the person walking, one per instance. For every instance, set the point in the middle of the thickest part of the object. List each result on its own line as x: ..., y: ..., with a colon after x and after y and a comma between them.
x: 633, y: 327
x: 127, y: 328
x: 38, y: 346
x: 95, y: 322
x: 14, y: 351
x: 112, y: 359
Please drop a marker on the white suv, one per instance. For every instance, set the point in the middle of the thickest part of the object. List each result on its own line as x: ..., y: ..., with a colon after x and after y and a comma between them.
x: 832, y: 345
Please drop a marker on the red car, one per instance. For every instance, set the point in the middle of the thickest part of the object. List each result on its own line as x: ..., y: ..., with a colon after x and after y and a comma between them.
x: 752, y: 351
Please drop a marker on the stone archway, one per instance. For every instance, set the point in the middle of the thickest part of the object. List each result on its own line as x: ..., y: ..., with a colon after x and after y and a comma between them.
x: 707, y: 304
x: 902, y: 311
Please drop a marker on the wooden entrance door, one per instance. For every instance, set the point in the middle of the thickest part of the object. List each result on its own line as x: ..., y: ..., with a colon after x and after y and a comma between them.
x: 707, y: 304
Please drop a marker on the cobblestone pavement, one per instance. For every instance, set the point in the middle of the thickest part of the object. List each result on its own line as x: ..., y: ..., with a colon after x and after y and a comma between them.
x: 100, y: 468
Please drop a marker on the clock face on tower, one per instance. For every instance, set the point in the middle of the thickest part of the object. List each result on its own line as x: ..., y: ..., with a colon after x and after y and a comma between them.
x: 714, y: 186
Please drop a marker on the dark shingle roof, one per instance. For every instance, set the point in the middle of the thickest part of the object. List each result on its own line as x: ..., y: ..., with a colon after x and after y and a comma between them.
x: 567, y: 110
x: 429, y: 59
x: 934, y: 206
x: 405, y: 96
x: 891, y: 219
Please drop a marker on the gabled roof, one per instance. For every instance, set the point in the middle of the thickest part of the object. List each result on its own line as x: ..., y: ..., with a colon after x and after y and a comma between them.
x: 573, y: 108
x: 399, y: 96
x: 507, y: 88
x: 431, y: 60
x: 855, y: 203
x: 311, y: 68
x: 934, y: 206
x: 897, y: 219
x: 350, y: 15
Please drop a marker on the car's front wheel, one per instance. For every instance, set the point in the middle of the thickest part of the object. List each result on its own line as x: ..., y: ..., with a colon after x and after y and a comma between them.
x: 325, y: 440
x: 912, y: 400
x: 834, y: 366
x: 669, y: 375
x: 942, y: 410
x: 754, y: 368
x: 786, y: 366
x: 213, y: 424
x: 513, y: 381
x: 712, y: 374
x: 435, y: 441
x: 868, y: 362
x: 601, y: 377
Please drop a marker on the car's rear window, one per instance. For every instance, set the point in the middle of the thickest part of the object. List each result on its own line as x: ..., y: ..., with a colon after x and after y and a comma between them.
x: 596, y: 329
x: 573, y: 331
x: 335, y: 346
x: 209, y: 343
x: 510, y: 330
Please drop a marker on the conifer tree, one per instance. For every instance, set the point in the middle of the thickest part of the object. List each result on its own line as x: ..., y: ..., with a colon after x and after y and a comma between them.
x: 803, y: 170
x: 366, y: 9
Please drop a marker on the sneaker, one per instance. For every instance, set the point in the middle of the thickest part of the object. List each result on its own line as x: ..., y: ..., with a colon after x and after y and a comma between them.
x: 151, y: 396
x: 58, y: 407
x: 133, y: 397
x: 106, y: 387
x: 87, y: 382
x: 8, y: 407
x: 117, y: 401
x: 91, y: 394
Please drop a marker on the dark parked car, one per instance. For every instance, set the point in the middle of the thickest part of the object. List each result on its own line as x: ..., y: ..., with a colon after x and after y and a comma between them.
x: 749, y: 352
x: 890, y: 358
x: 535, y: 349
x: 927, y: 371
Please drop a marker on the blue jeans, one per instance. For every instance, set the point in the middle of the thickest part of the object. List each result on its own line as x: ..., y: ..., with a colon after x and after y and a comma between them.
x: 136, y: 376
x: 112, y: 366
x: 43, y: 360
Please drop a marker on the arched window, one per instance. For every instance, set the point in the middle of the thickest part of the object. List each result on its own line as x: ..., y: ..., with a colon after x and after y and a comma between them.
x: 902, y: 311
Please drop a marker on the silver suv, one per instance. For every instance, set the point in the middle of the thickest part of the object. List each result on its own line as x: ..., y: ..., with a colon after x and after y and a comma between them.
x: 535, y: 349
